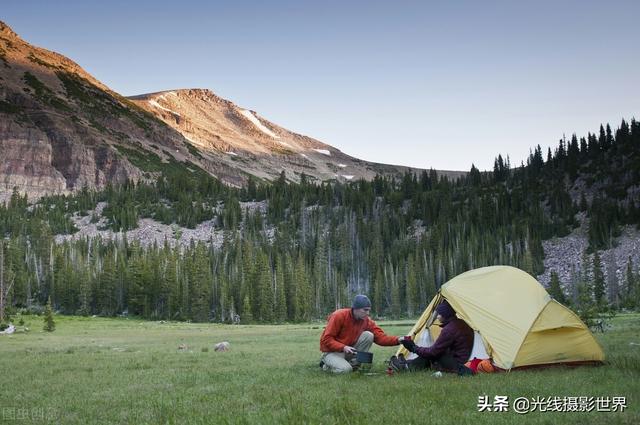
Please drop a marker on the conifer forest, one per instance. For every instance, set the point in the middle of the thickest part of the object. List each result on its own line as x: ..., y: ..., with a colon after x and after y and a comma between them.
x: 310, y: 246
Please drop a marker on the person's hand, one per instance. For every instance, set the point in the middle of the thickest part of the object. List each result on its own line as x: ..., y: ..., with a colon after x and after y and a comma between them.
x: 349, y: 350
x: 409, y: 345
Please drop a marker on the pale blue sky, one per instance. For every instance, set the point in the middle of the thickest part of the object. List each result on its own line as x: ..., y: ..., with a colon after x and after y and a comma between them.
x: 418, y: 83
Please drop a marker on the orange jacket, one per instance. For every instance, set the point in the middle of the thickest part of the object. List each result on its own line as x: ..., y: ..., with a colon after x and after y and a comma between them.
x: 343, y: 329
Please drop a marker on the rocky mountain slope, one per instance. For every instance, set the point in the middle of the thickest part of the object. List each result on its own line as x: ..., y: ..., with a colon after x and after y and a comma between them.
x: 226, y: 133
x: 61, y: 129
x: 566, y: 255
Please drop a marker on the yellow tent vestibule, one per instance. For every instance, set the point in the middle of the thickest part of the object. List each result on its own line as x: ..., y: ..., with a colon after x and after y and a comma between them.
x: 517, y: 323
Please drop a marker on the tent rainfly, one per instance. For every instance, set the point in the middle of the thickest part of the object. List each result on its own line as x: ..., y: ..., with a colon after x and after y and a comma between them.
x: 515, y: 320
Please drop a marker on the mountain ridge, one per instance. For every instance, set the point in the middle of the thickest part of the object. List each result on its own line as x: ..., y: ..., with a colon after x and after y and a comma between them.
x: 63, y: 130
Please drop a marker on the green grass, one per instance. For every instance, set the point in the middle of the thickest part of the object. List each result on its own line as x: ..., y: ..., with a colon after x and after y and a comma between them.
x: 97, y: 370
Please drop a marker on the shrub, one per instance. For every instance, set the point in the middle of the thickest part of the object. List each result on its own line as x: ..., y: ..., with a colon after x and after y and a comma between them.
x: 49, y: 323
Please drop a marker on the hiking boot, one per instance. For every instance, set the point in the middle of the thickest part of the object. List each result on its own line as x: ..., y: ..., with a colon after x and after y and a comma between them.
x: 351, y: 358
x: 464, y: 371
x: 398, y: 364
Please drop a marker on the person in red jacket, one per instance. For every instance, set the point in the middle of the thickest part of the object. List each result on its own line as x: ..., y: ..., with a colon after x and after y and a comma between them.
x: 452, y: 348
x: 348, y: 331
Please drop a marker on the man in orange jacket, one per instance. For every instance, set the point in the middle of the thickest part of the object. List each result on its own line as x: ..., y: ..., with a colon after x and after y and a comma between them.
x: 348, y: 331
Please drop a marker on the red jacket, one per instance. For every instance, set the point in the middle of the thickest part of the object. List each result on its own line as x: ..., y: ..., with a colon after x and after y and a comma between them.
x: 343, y: 329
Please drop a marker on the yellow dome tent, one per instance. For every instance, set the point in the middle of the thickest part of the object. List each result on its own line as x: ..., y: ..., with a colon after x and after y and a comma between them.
x: 517, y: 323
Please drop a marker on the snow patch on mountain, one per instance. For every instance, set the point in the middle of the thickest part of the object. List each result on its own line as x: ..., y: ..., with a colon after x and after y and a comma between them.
x: 163, y: 96
x: 285, y: 144
x: 157, y: 105
x: 323, y: 151
x: 249, y: 115
x: 196, y: 142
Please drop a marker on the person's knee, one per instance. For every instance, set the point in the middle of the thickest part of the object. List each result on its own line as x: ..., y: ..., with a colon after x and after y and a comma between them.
x: 343, y: 368
x: 367, y: 337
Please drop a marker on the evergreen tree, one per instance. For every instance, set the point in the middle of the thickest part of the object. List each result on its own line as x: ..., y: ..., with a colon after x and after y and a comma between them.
x: 247, y: 317
x: 201, y: 278
x: 303, y: 296
x: 138, y: 278
x: 390, y: 276
x: 598, y: 280
x: 526, y: 262
x: 5, y: 285
x: 583, y: 202
x: 85, y: 293
x: 632, y: 292
x: 586, y: 309
x: 49, y: 323
x: 266, y: 299
x: 555, y: 290
x: 474, y: 176
x: 106, y: 292
x: 412, y: 288
x: 281, y: 297
x: 171, y: 276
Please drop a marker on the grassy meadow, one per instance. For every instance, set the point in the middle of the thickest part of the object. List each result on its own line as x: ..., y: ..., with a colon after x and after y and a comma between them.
x: 99, y: 370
